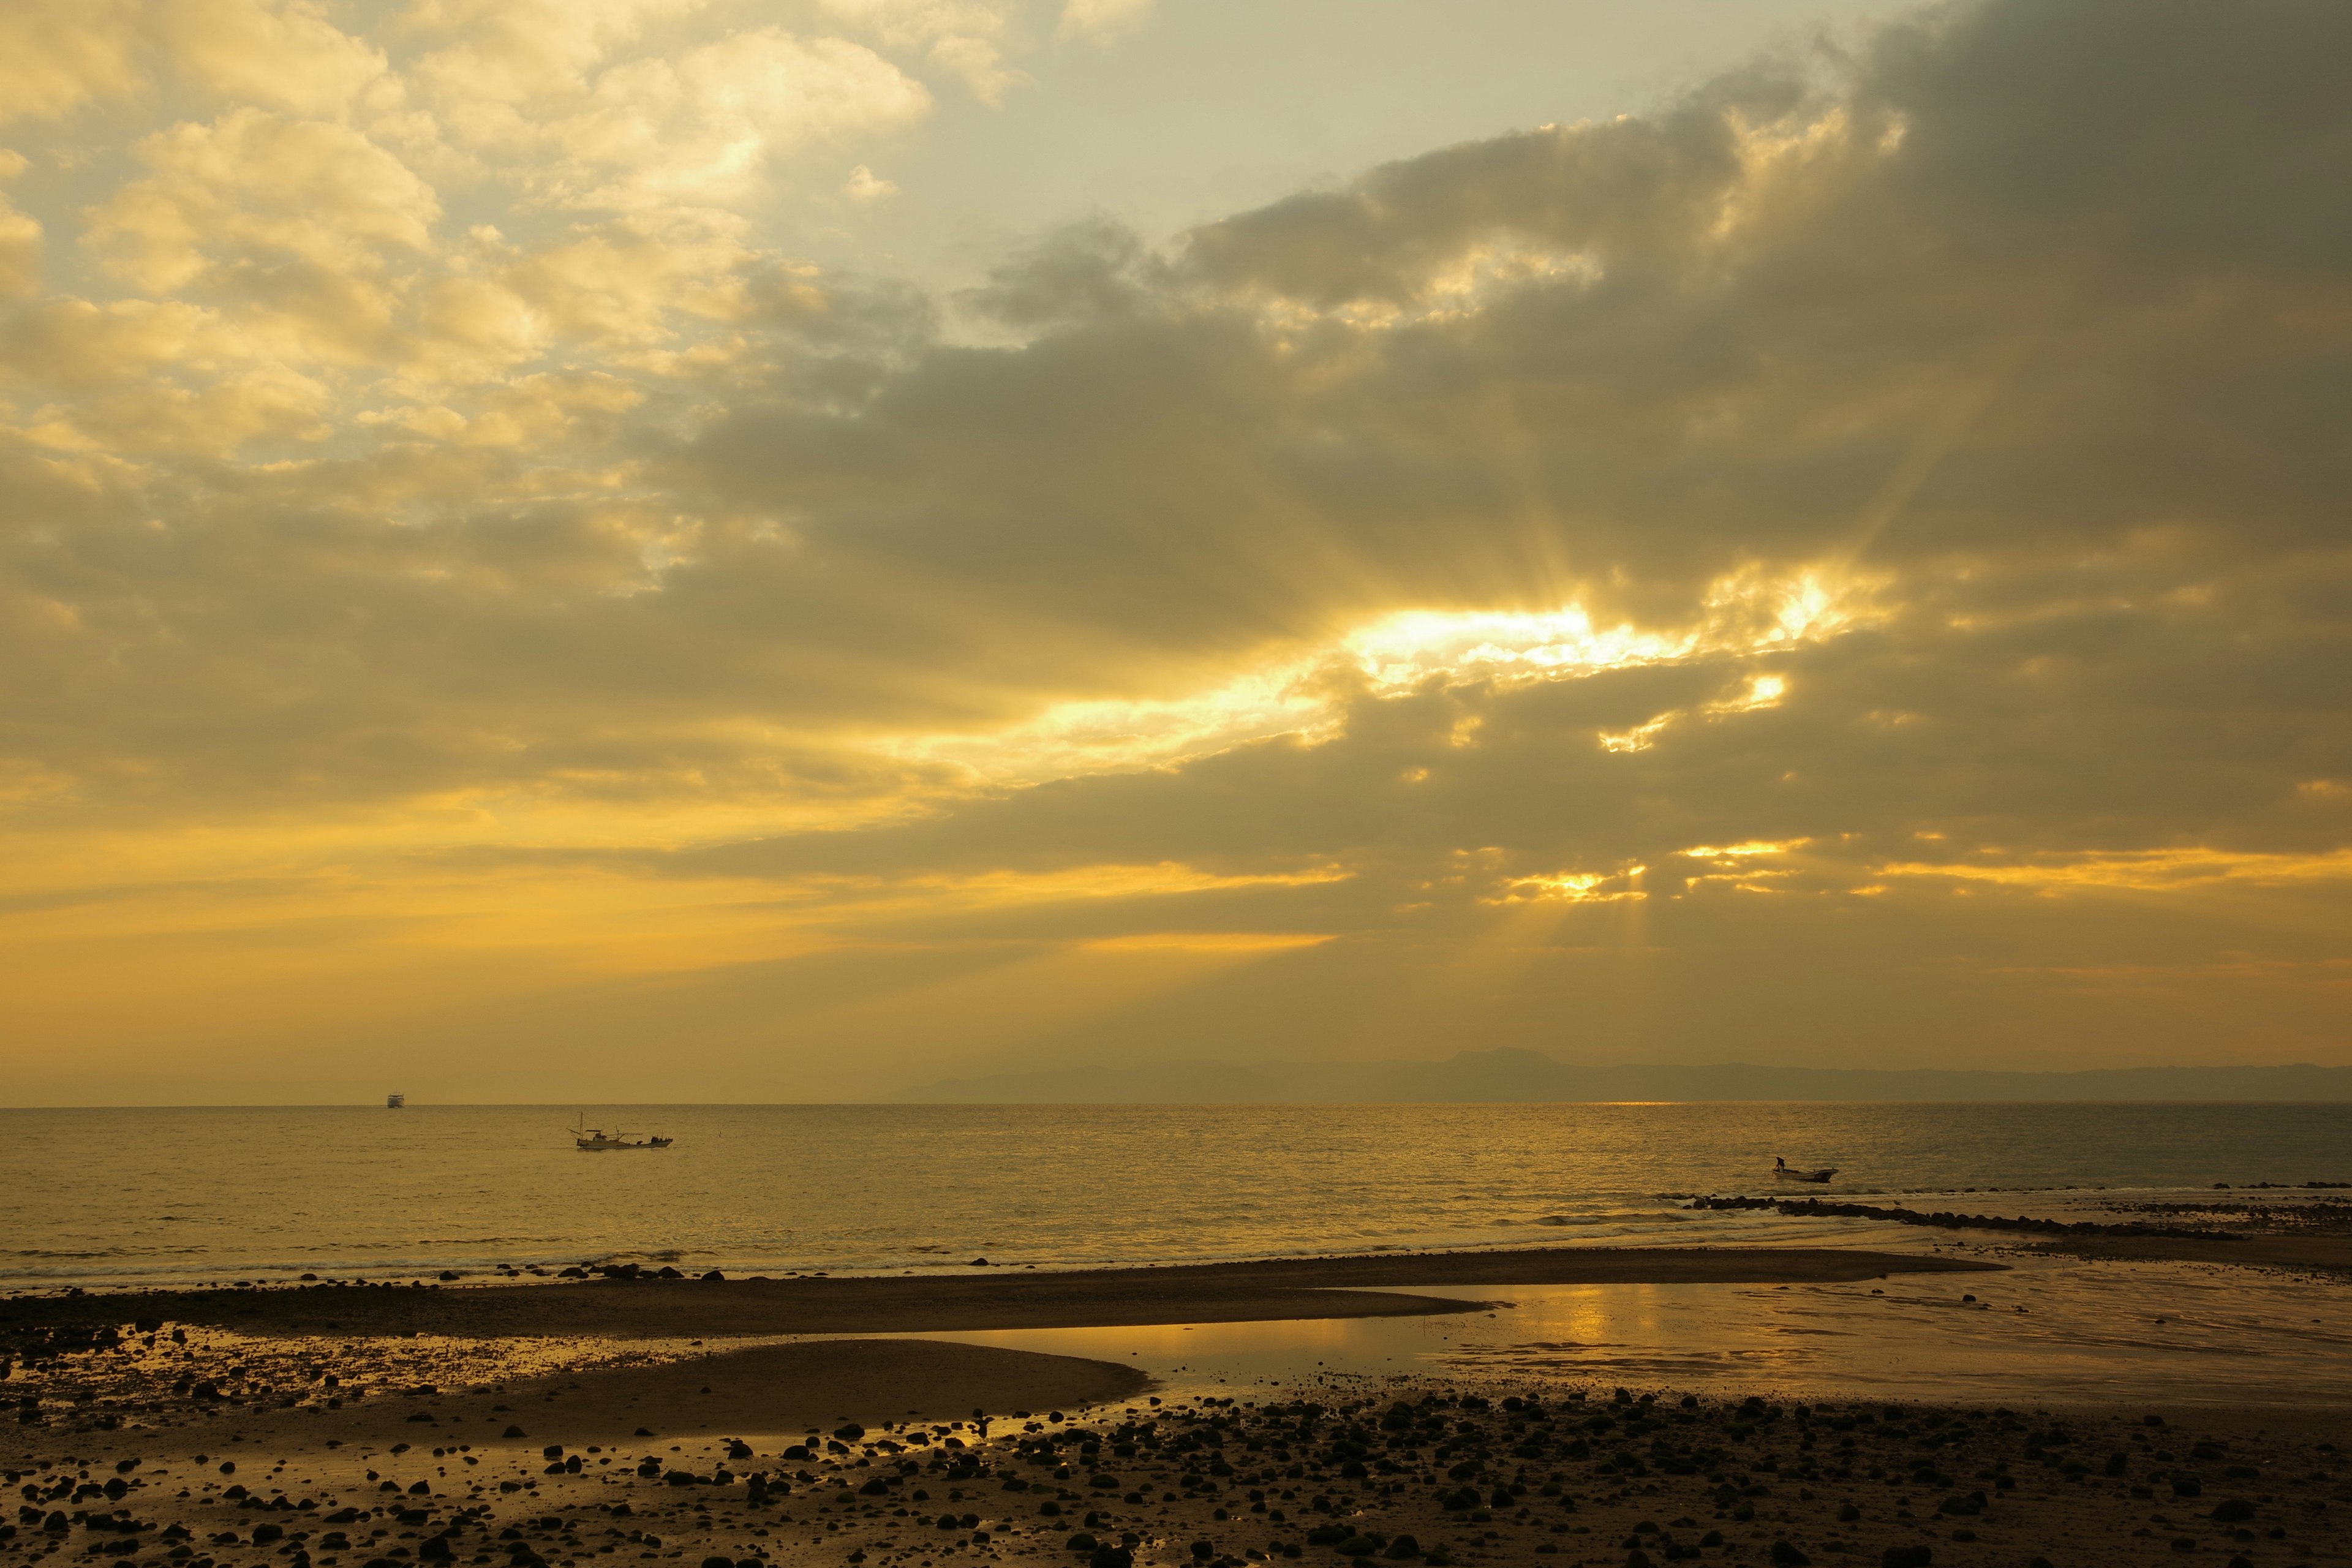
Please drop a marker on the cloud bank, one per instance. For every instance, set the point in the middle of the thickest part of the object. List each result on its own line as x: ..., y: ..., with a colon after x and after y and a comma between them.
x: 1848, y: 567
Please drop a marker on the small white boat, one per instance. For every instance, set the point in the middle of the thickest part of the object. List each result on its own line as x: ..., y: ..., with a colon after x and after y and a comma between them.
x: 1782, y: 1169
x: 596, y: 1140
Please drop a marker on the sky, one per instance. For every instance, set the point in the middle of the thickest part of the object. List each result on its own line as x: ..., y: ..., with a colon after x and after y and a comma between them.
x: 618, y: 550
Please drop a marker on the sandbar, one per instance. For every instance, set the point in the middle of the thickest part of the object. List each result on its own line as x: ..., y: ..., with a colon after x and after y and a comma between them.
x: 993, y: 1297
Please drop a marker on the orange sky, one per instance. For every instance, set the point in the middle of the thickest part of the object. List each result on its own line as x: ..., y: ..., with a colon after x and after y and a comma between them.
x: 600, y: 552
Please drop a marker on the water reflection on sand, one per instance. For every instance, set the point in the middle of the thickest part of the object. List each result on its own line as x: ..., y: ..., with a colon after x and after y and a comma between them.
x: 2052, y: 1331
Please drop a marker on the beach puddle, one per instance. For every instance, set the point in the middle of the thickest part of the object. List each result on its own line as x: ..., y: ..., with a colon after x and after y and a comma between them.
x: 2051, y: 1331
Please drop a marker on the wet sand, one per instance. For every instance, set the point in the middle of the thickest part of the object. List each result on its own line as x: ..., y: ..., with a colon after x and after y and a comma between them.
x: 2312, y: 1253
x: 2292, y: 1231
x: 797, y: 1387
x: 984, y: 1299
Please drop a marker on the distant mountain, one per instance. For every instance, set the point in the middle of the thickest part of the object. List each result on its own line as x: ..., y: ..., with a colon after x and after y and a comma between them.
x: 1519, y: 1075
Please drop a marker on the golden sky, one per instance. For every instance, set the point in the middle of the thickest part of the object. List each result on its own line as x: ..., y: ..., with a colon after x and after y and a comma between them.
x: 617, y: 550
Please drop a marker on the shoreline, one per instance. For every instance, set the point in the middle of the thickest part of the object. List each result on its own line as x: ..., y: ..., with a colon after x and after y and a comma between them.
x: 646, y: 1308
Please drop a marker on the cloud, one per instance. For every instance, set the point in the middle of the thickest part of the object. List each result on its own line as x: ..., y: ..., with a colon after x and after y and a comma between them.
x: 1101, y: 20
x: 1862, y: 540
x: 285, y: 56
x: 962, y: 37
x: 255, y: 192
x: 701, y: 128
x: 20, y: 251
x: 495, y: 54
x: 56, y: 54
x: 863, y: 187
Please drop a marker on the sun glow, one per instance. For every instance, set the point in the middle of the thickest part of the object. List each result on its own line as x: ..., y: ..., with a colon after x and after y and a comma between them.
x: 2149, y: 870
x: 1753, y: 847
x: 1578, y: 887
x: 1304, y: 694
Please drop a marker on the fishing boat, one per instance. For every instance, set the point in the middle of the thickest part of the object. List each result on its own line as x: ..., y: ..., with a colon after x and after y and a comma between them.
x: 596, y: 1140
x: 395, y: 1101
x: 1787, y: 1173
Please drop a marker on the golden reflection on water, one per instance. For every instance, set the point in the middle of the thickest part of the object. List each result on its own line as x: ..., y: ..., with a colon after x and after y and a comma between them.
x: 2048, y: 1330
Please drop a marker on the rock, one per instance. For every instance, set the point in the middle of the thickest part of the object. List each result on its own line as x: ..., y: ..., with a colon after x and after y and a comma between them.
x: 1403, y: 1548
x: 714, y: 1277
x: 514, y: 1432
x: 2231, y: 1511
x: 447, y: 1274
x: 1786, y: 1554
x: 977, y: 1263
x: 667, y: 1272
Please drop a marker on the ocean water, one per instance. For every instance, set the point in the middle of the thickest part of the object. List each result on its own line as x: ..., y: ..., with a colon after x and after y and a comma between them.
x: 113, y: 1197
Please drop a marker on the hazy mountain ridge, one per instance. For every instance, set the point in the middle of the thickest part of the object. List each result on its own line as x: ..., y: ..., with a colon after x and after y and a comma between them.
x: 1512, y: 1075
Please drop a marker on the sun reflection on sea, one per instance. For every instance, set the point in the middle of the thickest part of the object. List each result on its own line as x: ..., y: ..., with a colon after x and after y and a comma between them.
x: 2048, y: 1330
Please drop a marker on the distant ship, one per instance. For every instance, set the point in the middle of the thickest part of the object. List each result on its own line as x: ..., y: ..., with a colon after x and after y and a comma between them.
x: 596, y: 1140
x: 395, y: 1101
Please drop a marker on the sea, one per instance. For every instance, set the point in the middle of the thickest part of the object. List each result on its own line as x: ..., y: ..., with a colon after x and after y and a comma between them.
x: 133, y: 1197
